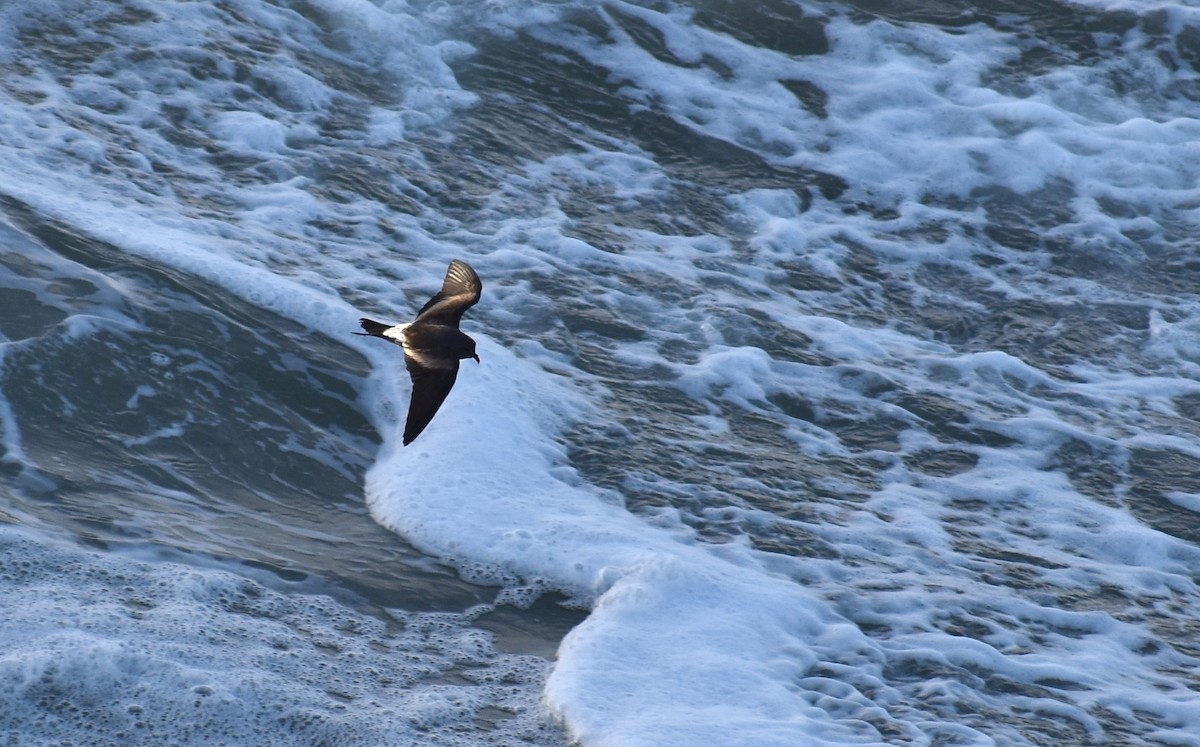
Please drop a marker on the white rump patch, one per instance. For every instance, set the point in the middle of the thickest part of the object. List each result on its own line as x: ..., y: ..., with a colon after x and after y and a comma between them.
x: 396, y: 333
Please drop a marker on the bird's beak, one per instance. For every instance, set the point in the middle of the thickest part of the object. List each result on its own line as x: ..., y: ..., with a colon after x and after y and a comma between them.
x: 476, y: 357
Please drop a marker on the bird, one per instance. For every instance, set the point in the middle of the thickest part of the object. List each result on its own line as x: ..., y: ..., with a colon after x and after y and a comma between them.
x: 433, y: 344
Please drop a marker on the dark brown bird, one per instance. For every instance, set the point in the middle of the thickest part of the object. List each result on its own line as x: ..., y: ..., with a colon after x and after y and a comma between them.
x: 433, y: 344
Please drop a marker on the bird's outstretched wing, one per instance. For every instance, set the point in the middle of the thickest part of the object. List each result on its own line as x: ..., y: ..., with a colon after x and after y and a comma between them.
x: 460, y: 291
x: 430, y: 387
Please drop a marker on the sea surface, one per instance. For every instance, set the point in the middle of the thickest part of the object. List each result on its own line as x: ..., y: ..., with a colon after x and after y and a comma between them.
x: 840, y: 376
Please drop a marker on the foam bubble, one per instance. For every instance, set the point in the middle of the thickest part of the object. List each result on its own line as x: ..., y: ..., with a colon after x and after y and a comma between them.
x: 250, y: 132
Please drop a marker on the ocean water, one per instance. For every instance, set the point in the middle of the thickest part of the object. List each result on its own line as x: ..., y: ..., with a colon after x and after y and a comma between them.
x: 840, y: 376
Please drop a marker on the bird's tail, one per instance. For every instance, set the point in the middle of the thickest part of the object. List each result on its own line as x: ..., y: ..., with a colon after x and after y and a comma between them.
x: 373, y: 328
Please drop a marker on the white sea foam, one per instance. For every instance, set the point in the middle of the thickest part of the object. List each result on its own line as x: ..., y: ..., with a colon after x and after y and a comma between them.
x: 105, y: 648
x: 655, y: 595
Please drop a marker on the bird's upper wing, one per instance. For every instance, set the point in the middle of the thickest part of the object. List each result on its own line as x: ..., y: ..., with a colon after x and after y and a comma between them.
x: 460, y: 291
x: 430, y: 387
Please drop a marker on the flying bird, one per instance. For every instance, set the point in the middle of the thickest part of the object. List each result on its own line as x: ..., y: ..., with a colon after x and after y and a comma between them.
x: 433, y: 344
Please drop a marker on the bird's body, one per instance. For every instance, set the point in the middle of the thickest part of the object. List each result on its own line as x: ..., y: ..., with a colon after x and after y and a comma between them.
x: 433, y: 344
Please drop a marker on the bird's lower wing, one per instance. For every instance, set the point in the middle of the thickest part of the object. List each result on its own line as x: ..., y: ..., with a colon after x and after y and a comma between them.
x: 430, y: 387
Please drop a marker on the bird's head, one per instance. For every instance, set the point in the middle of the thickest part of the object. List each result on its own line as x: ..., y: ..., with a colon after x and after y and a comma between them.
x: 468, y: 349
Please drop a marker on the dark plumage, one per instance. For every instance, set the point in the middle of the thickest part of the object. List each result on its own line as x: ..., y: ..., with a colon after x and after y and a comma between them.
x: 433, y: 344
